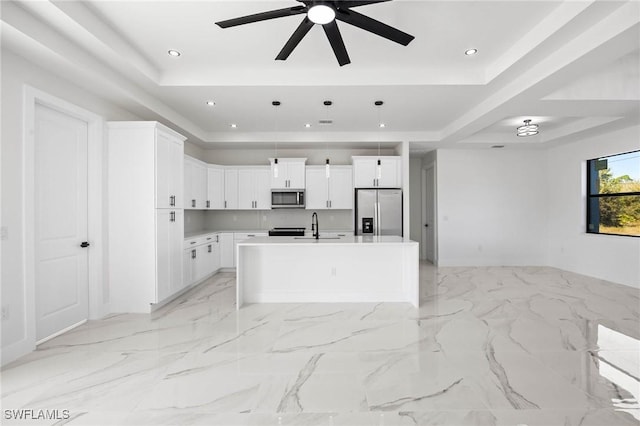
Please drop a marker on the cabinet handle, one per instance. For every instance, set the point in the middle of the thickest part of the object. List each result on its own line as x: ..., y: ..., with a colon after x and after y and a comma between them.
x: 172, y: 217
x: 208, y: 204
x: 209, y: 248
x: 172, y: 201
x: 329, y: 203
x: 208, y: 238
x: 193, y: 203
x: 193, y: 254
x: 251, y: 235
x: 225, y: 204
x: 217, y: 238
x: 192, y: 242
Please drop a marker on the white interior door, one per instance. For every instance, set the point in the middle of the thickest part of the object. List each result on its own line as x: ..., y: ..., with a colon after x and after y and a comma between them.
x: 61, y: 211
x: 428, y: 229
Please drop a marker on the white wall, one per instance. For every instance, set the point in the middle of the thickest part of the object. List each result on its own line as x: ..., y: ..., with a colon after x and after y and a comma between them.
x: 16, y: 72
x: 415, y: 198
x: 491, y: 207
x: 610, y: 257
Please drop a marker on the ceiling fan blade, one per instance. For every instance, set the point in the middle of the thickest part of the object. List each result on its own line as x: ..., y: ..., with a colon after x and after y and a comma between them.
x: 295, y: 39
x: 263, y: 16
x: 369, y: 24
x: 337, y: 44
x: 349, y: 3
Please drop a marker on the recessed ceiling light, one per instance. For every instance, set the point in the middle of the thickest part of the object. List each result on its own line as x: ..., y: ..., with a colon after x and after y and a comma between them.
x: 382, y: 125
x: 307, y: 125
x: 470, y: 52
x: 234, y: 125
x: 174, y: 53
x: 211, y: 103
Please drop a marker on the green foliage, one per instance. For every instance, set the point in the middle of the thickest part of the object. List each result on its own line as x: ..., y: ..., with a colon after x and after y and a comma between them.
x: 619, y: 211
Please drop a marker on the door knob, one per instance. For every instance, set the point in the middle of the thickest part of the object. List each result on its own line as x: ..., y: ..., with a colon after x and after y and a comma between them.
x: 84, y: 244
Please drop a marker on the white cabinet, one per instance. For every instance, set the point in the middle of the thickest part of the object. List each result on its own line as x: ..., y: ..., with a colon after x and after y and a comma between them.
x: 335, y: 192
x: 227, y: 247
x: 215, y: 188
x: 254, y: 192
x: 145, y: 242
x: 169, y: 235
x: 201, y: 258
x: 195, y: 183
x: 230, y: 188
x: 365, y: 172
x: 291, y: 173
x: 169, y: 171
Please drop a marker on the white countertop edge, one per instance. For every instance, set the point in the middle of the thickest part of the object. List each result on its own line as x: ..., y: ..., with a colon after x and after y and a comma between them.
x: 355, y: 240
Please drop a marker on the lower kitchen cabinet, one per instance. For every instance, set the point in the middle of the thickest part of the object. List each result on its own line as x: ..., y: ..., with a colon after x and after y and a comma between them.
x: 227, y: 248
x: 201, y: 258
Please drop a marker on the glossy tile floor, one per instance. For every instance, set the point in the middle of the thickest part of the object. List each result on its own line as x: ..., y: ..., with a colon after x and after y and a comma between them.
x: 488, y: 346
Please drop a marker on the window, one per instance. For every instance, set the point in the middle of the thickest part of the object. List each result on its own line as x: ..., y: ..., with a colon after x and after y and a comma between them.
x: 613, y: 194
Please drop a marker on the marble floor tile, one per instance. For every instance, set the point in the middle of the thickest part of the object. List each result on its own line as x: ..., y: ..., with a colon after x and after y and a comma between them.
x: 492, y: 346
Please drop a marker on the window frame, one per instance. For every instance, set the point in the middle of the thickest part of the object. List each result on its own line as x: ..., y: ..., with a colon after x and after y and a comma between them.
x: 590, y: 196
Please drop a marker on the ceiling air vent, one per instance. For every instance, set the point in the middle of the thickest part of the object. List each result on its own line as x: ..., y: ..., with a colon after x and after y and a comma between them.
x: 325, y: 122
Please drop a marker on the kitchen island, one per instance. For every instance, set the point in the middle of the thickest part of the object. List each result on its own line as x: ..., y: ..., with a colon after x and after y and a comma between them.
x: 345, y: 269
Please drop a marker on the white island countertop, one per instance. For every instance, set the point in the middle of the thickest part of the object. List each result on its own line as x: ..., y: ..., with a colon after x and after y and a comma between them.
x: 306, y: 240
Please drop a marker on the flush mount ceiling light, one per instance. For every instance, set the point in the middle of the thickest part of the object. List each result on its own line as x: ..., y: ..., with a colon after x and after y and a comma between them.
x: 174, y: 53
x: 470, y: 52
x: 233, y: 125
x: 321, y: 14
x: 528, y: 129
x: 325, y: 13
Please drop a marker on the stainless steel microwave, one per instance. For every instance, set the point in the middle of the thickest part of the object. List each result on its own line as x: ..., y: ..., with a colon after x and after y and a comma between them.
x: 287, y: 198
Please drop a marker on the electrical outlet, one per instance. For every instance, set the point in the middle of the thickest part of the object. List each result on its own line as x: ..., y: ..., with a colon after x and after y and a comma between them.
x: 5, y: 313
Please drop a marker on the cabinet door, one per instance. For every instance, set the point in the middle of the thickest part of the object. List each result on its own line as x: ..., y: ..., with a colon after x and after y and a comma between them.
x: 215, y: 188
x: 316, y: 193
x: 231, y: 189
x: 246, y: 189
x: 226, y: 250
x: 341, y: 188
x: 189, y: 264
x: 163, y: 254
x: 176, y: 238
x: 364, y: 172
x: 390, y: 175
x: 200, y: 270
x: 262, y: 189
x: 296, y: 174
x: 215, y: 257
x: 176, y: 174
x: 189, y: 177
x: 162, y: 171
x: 200, y: 185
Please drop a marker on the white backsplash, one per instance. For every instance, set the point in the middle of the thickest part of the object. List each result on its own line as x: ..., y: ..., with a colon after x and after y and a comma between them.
x: 222, y: 220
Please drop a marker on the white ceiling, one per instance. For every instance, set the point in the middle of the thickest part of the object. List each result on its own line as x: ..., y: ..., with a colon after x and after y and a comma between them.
x: 571, y: 66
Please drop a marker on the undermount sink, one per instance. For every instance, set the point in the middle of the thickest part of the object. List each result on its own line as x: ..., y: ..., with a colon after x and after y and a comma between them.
x: 313, y: 238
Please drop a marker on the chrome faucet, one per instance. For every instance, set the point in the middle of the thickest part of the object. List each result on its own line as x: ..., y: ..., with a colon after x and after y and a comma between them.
x: 315, y: 226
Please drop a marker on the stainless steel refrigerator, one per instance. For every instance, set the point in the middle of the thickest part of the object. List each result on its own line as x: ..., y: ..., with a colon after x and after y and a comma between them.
x: 378, y: 212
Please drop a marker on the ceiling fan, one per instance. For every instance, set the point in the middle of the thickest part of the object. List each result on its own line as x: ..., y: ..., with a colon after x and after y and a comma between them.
x: 325, y: 13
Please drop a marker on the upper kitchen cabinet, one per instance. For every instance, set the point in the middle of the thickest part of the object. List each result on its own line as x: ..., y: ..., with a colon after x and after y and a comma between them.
x: 288, y: 173
x: 195, y: 183
x: 215, y: 188
x: 254, y: 192
x: 230, y: 188
x: 333, y: 192
x: 367, y: 173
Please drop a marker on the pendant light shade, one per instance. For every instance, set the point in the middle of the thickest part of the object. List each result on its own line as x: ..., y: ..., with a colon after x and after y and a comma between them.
x: 327, y: 168
x: 275, y: 168
x: 528, y: 129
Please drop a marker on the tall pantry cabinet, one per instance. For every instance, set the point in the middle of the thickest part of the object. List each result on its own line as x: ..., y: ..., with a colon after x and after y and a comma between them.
x: 146, y: 216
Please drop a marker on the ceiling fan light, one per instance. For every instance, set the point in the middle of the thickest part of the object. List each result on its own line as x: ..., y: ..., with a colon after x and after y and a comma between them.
x: 321, y: 14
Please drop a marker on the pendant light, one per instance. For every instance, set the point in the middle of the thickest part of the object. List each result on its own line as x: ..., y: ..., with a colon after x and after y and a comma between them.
x: 528, y: 129
x: 379, y: 104
x: 275, y: 104
x: 327, y: 167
